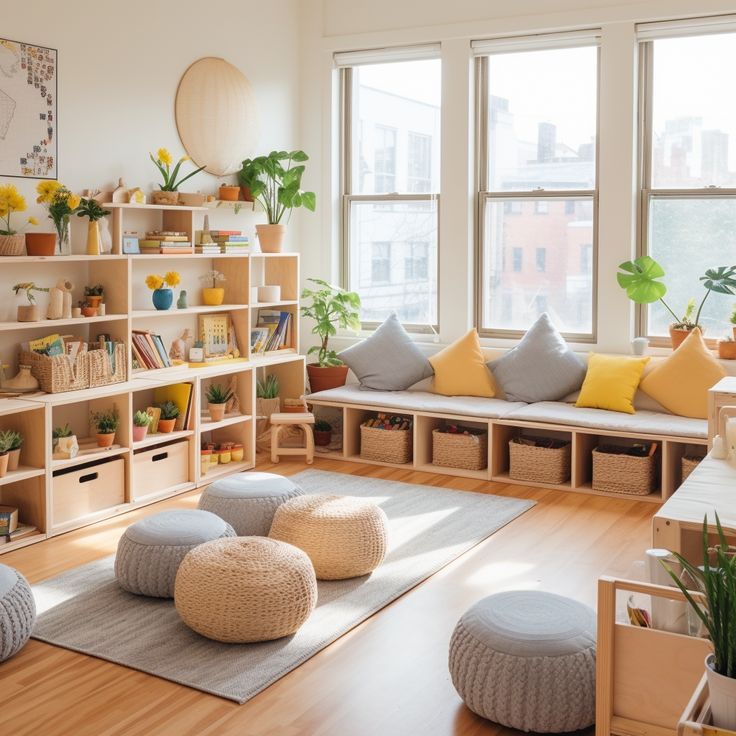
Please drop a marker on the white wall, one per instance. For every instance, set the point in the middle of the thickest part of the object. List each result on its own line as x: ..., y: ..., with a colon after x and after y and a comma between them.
x: 341, y: 25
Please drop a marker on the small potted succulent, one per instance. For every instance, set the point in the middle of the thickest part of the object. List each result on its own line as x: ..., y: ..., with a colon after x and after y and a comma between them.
x: 217, y: 398
x: 59, y: 432
x: 106, y: 424
x: 64, y: 442
x: 16, y: 442
x: 168, y: 192
x: 322, y: 433
x: 30, y: 312
x: 93, y: 295
x: 92, y: 209
x: 162, y: 288
x: 87, y: 309
x: 141, y: 420
x: 169, y: 414
x: 212, y: 294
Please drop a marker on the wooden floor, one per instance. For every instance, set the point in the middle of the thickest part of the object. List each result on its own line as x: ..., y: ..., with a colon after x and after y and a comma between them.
x: 387, y: 677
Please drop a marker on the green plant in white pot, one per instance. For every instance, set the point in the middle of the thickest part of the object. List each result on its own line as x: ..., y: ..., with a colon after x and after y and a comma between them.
x: 276, y: 182
x: 716, y: 609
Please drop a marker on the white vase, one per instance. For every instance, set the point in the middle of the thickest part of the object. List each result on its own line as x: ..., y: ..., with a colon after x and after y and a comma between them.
x: 722, y: 691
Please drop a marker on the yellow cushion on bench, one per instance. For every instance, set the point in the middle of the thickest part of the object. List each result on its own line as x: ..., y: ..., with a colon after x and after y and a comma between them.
x: 611, y: 382
x: 460, y: 369
x: 681, y: 382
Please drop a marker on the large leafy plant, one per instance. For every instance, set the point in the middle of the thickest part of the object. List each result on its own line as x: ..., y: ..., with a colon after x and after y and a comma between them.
x: 640, y: 279
x: 716, y: 581
x: 276, y: 182
x: 331, y: 308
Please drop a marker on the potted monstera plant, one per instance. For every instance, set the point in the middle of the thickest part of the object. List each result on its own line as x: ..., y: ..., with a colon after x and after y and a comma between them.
x: 331, y: 308
x: 640, y: 279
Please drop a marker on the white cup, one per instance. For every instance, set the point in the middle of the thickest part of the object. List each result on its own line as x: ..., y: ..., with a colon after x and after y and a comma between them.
x: 639, y: 345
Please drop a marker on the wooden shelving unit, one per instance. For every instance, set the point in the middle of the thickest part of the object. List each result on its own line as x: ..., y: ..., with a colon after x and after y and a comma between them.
x: 57, y: 495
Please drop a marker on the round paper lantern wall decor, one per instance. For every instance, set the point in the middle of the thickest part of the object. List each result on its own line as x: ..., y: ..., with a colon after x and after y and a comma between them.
x: 216, y: 115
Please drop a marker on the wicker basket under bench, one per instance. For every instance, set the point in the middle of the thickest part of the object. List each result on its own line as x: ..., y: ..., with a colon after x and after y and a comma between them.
x: 538, y: 464
x: 386, y: 445
x: 458, y: 450
x: 632, y: 475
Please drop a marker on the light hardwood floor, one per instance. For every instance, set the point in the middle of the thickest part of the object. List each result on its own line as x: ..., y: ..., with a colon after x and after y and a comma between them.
x: 387, y: 677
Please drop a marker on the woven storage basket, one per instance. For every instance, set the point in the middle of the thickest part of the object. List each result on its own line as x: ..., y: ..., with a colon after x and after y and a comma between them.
x: 100, y: 367
x: 539, y: 464
x: 466, y: 451
x: 386, y: 445
x: 626, y: 474
x: 12, y: 245
x: 687, y: 465
x: 58, y: 373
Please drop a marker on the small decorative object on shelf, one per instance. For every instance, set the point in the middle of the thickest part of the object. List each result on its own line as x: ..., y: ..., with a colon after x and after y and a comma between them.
x: 732, y: 320
x: 181, y: 302
x: 727, y: 348
x: 169, y: 413
x: 60, y: 300
x: 178, y: 350
x: 217, y: 398
x: 106, y: 424
x: 169, y: 190
x: 93, y: 294
x: 229, y: 192
x: 161, y: 286
x: 8, y: 520
x: 23, y: 382
x: 30, y: 312
x: 322, y: 433
x: 120, y: 193
x: 155, y: 413
x: 15, y: 445
x: 269, y: 293
x: 130, y: 243
x: 61, y: 203
x: 191, y: 199
x: 91, y: 209
x: 212, y: 294
x: 65, y: 444
x: 87, y: 310
x: 12, y: 241
x: 4, y: 453
x: 136, y: 196
x: 141, y: 420
x: 275, y: 182
x: 196, y: 352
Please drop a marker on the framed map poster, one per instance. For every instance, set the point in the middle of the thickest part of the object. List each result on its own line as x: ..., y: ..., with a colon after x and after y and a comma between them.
x: 28, y: 121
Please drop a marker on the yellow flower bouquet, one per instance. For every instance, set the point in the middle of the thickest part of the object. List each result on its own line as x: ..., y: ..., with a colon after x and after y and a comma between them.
x: 12, y: 240
x: 61, y: 203
x: 161, y: 286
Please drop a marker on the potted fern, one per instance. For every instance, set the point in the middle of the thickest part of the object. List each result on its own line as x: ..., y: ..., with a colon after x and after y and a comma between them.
x: 217, y: 398
x: 106, y: 423
x: 331, y: 308
x: 716, y: 609
x: 16, y: 442
x: 141, y: 420
x: 169, y: 414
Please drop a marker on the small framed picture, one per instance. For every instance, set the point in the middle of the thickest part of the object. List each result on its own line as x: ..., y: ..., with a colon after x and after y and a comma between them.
x: 130, y: 244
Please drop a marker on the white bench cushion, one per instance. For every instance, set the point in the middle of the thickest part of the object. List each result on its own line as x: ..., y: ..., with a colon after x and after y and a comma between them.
x: 646, y: 422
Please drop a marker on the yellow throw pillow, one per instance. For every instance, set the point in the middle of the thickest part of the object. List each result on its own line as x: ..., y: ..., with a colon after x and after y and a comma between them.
x: 460, y: 369
x: 611, y: 382
x: 681, y: 382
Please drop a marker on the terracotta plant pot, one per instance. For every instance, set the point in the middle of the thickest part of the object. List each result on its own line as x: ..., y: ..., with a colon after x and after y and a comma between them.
x: 29, y: 313
x: 139, y: 433
x: 727, y: 350
x: 13, y: 459
x: 191, y: 199
x: 217, y: 412
x: 160, y: 197
x: 12, y: 245
x: 213, y: 297
x: 40, y: 244
x: 93, y: 301
x: 229, y: 193
x: 246, y: 194
x: 327, y: 377
x: 88, y: 311
x: 166, y: 425
x: 105, y: 440
x: 322, y: 438
x: 734, y: 333
x: 271, y: 237
x: 678, y: 336
x: 4, y: 464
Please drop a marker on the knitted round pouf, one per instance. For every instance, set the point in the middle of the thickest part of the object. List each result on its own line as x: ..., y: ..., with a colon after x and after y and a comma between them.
x: 344, y: 536
x: 526, y: 660
x: 246, y: 589
x: 151, y: 550
x: 248, y: 501
x: 17, y: 612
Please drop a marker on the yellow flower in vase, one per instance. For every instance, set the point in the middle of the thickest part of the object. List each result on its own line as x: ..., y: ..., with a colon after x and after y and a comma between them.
x: 172, y: 278
x: 73, y: 201
x: 32, y: 221
x: 46, y: 190
x: 154, y: 281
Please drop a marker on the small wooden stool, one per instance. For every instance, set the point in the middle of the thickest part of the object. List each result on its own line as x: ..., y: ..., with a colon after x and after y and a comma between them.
x: 303, y: 421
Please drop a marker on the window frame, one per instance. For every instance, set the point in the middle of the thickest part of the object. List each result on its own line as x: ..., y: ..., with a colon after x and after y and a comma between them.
x: 347, y: 197
x: 484, y: 196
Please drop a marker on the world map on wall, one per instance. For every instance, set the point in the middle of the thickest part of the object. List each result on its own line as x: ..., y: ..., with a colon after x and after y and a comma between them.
x: 28, y: 132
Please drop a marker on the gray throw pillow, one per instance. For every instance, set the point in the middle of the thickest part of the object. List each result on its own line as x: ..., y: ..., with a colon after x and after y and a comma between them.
x: 388, y: 360
x: 542, y: 367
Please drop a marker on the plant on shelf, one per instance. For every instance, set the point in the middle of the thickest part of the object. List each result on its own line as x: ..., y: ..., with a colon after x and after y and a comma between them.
x: 106, y: 424
x: 61, y: 204
x: 212, y: 294
x: 162, y: 288
x: 715, y: 580
x: 727, y: 348
x: 732, y: 320
x: 93, y: 295
x: 322, y: 433
x: 640, y: 279
x: 169, y: 414
x: 275, y: 181
x: 29, y: 312
x: 267, y: 388
x: 331, y: 308
x: 217, y: 397
x: 59, y: 432
x: 169, y: 190
x: 15, y: 440
x: 94, y: 211
x: 64, y: 442
x: 141, y: 420
x: 4, y: 453
x: 12, y: 241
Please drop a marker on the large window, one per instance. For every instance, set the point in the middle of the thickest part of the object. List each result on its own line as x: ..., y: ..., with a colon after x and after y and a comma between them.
x: 537, y: 183
x: 689, y: 171
x: 391, y: 164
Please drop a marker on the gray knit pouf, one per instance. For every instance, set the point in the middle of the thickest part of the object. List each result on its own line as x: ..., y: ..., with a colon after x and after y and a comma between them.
x: 151, y: 550
x: 17, y: 612
x: 526, y: 660
x: 248, y: 501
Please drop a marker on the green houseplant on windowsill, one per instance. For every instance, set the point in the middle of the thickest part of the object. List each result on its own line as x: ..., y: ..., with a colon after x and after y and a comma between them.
x: 331, y: 308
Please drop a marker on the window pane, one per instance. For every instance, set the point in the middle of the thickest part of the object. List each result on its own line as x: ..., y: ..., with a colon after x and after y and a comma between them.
x: 393, y: 260
x: 522, y: 278
x: 542, y: 119
x: 396, y: 127
x: 693, y: 112
x: 688, y: 236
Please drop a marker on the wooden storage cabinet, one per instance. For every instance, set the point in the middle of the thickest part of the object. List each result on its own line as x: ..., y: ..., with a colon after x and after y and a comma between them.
x: 159, y: 468
x: 84, y: 490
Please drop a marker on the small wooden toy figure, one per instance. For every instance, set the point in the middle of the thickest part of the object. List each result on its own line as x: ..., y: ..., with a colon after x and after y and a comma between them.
x: 179, y: 346
x: 181, y: 302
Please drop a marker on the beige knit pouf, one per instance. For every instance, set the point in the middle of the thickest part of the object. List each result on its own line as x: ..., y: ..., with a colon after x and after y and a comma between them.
x: 344, y: 536
x: 245, y: 589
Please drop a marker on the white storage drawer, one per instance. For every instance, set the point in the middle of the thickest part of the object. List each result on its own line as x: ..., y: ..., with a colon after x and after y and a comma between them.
x: 159, y: 468
x: 83, y: 490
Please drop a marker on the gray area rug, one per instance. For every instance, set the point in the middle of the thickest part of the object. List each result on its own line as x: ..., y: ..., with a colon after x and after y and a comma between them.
x: 85, y: 610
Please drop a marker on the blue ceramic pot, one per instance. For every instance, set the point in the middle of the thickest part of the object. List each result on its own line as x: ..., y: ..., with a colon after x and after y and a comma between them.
x: 163, y: 298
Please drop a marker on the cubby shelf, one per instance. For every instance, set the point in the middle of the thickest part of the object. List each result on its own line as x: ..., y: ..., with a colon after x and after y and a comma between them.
x: 228, y: 421
x: 50, y: 325
x: 88, y: 457
x: 157, y: 438
x: 153, y: 207
x: 22, y: 473
x: 200, y: 309
x: 218, y: 471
